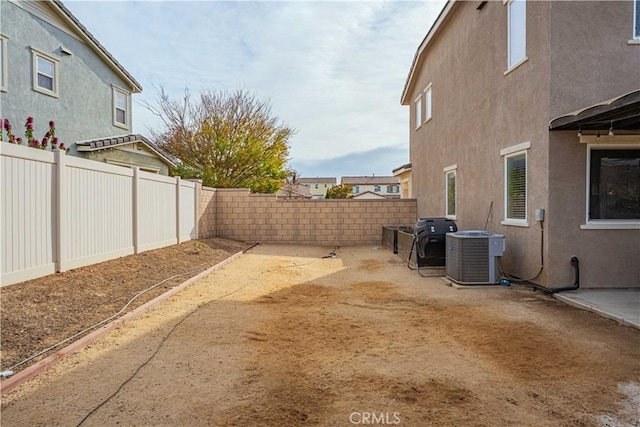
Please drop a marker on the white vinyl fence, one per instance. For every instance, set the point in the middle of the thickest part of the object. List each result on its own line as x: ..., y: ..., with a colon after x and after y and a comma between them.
x: 60, y: 212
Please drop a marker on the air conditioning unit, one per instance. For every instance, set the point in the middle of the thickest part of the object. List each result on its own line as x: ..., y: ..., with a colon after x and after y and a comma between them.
x: 472, y: 257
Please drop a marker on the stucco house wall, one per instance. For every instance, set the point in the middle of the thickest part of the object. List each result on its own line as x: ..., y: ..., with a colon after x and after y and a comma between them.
x: 578, y: 55
x: 154, y: 164
x: 592, y: 61
x: 83, y: 108
x: 477, y: 111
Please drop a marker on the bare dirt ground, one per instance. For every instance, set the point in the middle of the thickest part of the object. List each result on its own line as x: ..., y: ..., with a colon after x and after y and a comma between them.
x: 39, y: 313
x: 283, y: 337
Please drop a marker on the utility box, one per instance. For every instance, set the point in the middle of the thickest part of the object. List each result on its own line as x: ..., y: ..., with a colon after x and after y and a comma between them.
x: 472, y: 257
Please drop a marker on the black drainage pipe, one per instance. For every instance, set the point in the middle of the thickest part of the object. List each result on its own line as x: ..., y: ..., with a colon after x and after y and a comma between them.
x: 576, y: 282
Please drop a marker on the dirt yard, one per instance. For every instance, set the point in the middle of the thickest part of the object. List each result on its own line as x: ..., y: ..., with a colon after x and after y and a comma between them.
x: 283, y: 337
x: 39, y: 313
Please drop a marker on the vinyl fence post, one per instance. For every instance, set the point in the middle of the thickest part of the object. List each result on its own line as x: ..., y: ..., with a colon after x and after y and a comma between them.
x: 61, y: 209
x: 136, y: 222
x: 196, y: 194
x: 178, y: 185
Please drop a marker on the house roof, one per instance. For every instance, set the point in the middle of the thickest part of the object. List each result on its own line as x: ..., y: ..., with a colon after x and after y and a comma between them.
x: 118, y: 141
x: 318, y: 180
x: 300, y: 190
x: 621, y: 113
x: 402, y: 168
x: 371, y: 180
x: 419, y: 55
x: 368, y: 194
x: 95, y: 45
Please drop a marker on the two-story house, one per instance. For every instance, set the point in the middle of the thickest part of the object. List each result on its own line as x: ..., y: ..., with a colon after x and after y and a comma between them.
x: 525, y: 121
x: 373, y: 187
x: 318, y: 186
x: 53, y: 68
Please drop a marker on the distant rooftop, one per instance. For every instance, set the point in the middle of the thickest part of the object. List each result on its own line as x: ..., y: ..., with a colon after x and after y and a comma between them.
x: 371, y: 180
x: 318, y: 180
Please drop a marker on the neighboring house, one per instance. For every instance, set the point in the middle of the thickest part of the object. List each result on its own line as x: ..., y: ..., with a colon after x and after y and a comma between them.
x: 387, y: 186
x: 527, y: 110
x: 404, y: 174
x: 53, y: 68
x: 369, y: 195
x: 318, y: 186
x: 128, y: 151
x: 295, y: 191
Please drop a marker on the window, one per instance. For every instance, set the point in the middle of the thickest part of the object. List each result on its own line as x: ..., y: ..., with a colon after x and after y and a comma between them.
x: 427, y: 103
x: 316, y: 186
x: 3, y: 63
x: 636, y: 20
x: 356, y: 189
x: 517, y: 32
x: 393, y: 188
x: 418, y: 109
x: 614, y: 184
x: 120, y: 108
x: 376, y: 188
x: 45, y: 73
x: 516, y: 187
x: 450, y: 191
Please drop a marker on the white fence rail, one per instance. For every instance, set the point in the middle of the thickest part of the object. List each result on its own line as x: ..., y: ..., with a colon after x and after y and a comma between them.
x: 60, y: 212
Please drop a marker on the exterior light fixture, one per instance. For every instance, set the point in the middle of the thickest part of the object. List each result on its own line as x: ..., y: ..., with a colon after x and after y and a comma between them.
x: 611, y: 129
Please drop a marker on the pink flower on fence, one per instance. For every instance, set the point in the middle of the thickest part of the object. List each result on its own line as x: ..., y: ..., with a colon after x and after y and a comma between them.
x: 49, y: 137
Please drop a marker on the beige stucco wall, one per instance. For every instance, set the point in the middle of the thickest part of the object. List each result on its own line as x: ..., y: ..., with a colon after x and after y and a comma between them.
x: 608, y: 258
x: 578, y: 55
x: 478, y: 111
x: 126, y: 157
x: 262, y: 218
x: 591, y: 59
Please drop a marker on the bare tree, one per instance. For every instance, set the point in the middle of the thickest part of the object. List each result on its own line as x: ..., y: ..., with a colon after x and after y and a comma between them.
x: 291, y: 184
x: 227, y: 139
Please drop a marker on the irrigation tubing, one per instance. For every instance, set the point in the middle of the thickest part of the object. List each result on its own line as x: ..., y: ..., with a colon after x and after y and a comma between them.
x: 102, y: 322
x: 146, y: 362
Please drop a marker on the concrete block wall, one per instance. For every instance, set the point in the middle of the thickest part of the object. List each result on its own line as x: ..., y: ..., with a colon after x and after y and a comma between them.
x: 239, y: 215
x: 206, y: 211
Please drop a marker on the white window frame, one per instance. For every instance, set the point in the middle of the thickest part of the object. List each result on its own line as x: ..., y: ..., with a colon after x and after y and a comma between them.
x: 507, y: 153
x: 606, y: 224
x: 127, y: 116
x: 4, y: 79
x: 518, y: 62
x: 35, y: 53
x: 451, y: 170
x: 417, y: 105
x: 428, y: 106
x: 636, y: 20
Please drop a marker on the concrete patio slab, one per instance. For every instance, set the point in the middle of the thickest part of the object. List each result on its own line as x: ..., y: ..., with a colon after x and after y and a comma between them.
x: 621, y: 305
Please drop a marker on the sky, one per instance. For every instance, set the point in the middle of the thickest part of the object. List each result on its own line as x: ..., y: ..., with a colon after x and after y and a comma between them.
x: 333, y: 71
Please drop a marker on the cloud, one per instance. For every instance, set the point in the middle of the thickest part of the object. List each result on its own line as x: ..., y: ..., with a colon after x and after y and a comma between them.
x: 378, y: 161
x: 334, y: 71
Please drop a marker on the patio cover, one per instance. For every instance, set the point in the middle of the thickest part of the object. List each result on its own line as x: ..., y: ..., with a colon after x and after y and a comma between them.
x: 623, y: 113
